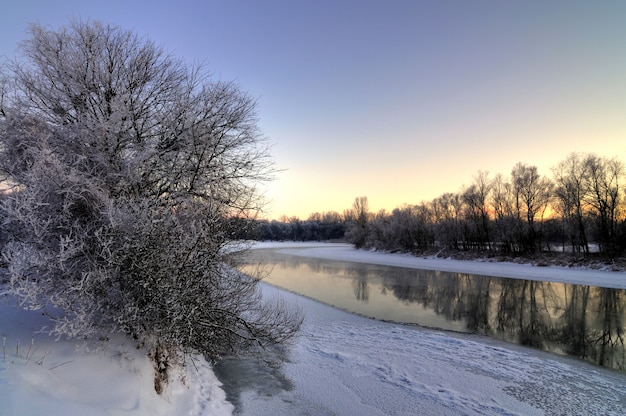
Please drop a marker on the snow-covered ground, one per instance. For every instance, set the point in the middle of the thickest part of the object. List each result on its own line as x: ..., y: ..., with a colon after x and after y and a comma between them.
x: 341, y: 364
x: 41, y: 376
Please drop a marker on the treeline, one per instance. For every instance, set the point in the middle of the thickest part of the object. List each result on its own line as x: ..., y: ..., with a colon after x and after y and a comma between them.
x: 579, y: 208
x: 318, y: 227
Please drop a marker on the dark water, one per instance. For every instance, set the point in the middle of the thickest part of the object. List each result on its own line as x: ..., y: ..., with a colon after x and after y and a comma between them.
x: 581, y: 321
x: 267, y: 389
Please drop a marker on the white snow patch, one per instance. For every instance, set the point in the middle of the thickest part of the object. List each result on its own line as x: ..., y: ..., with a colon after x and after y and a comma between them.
x: 42, y: 376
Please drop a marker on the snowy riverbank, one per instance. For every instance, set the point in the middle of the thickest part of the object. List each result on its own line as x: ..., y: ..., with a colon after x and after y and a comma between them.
x: 341, y: 364
x: 346, y: 252
x: 42, y: 376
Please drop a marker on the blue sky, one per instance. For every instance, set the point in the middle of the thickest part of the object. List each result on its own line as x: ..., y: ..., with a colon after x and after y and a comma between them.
x: 400, y: 101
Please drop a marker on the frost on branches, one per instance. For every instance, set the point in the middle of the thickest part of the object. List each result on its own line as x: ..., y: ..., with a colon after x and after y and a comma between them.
x: 130, y: 174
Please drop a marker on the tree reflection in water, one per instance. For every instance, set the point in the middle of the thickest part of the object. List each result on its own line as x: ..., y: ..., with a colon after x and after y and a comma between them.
x: 609, y: 338
x: 581, y: 321
x: 361, y: 289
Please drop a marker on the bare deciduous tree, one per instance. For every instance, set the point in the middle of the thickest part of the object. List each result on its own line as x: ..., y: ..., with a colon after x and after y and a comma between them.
x: 359, y: 217
x: 571, y: 190
x: 128, y: 169
x: 532, y: 196
x: 603, y: 181
x: 505, y: 213
x: 475, y: 198
x: 447, y: 217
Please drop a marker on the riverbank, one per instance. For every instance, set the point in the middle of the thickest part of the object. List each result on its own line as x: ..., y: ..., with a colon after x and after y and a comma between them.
x: 485, y: 267
x: 40, y: 375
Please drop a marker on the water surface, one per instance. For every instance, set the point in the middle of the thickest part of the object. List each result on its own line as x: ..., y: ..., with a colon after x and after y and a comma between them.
x: 576, y: 320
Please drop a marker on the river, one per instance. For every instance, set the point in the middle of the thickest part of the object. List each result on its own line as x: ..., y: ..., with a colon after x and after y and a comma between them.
x: 582, y: 321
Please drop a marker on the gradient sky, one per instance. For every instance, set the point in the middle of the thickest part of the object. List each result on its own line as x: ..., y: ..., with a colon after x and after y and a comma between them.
x: 399, y: 101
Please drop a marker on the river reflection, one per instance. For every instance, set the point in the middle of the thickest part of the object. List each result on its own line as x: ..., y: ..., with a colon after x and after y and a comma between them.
x: 582, y: 321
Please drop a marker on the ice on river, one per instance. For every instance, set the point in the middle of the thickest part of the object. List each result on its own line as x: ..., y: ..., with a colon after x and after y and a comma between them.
x: 345, y: 364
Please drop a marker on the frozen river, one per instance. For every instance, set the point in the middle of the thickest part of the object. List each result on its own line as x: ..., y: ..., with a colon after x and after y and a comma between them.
x: 346, y: 364
x: 583, y: 321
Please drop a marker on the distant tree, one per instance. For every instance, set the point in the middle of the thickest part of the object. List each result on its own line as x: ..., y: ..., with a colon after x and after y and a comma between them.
x: 447, y: 212
x: 507, y: 218
x: 359, y: 216
x: 297, y: 232
x: 317, y: 227
x: 334, y: 226
x: 273, y: 230
x: 412, y: 228
x: 360, y: 206
x: 477, y: 209
x: 571, y: 178
x: 332, y: 217
x: 532, y: 196
x: 378, y: 231
x: 604, y: 182
x: 132, y: 175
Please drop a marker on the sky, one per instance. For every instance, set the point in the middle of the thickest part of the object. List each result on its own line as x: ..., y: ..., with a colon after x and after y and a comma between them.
x: 399, y: 101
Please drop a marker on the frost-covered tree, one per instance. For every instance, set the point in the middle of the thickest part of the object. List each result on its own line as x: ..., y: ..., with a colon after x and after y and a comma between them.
x: 358, y: 218
x: 127, y: 168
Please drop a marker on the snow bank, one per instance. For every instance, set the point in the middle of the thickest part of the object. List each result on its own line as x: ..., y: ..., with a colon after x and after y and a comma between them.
x: 41, y: 376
